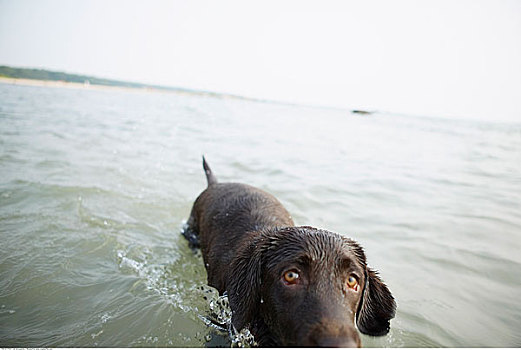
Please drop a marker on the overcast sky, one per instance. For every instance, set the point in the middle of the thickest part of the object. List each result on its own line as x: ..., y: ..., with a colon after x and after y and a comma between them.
x: 459, y: 59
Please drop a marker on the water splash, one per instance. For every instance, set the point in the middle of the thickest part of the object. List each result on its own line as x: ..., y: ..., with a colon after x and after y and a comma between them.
x: 219, y: 318
x: 105, y: 317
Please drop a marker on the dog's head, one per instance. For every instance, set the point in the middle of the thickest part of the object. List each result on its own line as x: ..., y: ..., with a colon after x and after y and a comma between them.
x: 308, y: 287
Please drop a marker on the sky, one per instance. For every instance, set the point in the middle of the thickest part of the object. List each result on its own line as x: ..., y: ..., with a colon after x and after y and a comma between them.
x: 453, y: 59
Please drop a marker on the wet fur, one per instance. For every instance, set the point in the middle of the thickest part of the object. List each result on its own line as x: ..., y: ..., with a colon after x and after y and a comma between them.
x: 247, y: 238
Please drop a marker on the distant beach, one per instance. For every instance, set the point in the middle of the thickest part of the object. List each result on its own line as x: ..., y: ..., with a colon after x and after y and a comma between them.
x: 85, y: 86
x: 43, y: 77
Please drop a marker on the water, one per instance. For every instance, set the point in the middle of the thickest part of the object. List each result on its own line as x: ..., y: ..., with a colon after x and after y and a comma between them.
x: 96, y: 185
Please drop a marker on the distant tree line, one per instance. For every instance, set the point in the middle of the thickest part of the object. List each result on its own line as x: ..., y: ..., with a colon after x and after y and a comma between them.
x: 42, y: 74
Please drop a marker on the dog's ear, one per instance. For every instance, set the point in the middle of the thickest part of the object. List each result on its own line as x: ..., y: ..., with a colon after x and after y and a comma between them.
x: 377, y: 306
x: 244, y: 283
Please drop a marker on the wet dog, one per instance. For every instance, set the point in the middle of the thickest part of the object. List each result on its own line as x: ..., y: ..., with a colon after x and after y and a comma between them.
x: 290, y: 286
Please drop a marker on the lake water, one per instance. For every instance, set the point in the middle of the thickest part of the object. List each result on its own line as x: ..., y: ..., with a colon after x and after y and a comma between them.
x: 95, y: 187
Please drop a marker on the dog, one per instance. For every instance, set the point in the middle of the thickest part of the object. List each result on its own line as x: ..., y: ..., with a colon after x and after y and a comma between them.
x: 290, y: 286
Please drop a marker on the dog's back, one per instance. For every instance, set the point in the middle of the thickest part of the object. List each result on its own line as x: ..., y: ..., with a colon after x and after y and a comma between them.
x: 225, y: 212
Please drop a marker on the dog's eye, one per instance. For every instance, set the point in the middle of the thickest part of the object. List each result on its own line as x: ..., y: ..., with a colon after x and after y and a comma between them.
x: 352, y: 283
x: 291, y: 277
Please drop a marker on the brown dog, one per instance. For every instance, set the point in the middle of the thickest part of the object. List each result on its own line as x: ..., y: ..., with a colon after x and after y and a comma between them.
x: 291, y: 286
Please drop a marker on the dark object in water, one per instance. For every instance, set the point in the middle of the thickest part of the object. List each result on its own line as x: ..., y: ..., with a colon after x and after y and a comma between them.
x: 362, y: 112
x: 290, y: 286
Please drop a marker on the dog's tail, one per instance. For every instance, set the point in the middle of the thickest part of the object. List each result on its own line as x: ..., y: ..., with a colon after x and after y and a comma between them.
x: 209, y: 175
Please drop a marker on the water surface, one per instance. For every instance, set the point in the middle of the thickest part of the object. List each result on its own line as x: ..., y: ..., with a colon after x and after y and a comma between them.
x: 95, y: 187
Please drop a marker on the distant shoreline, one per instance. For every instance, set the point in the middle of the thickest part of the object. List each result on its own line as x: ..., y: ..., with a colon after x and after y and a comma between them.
x: 47, y: 78
x: 148, y: 89
x: 87, y: 86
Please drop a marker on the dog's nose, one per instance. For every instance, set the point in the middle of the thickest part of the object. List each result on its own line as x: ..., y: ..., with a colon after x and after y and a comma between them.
x: 337, y: 343
x: 333, y: 333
